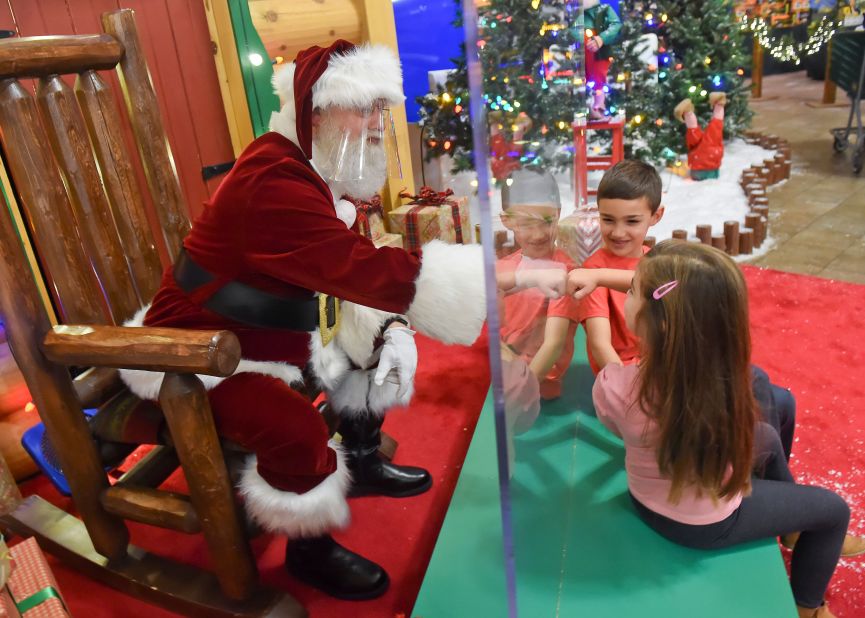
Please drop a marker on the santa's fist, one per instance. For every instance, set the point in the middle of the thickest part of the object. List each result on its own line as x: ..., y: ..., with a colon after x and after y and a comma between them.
x: 550, y: 281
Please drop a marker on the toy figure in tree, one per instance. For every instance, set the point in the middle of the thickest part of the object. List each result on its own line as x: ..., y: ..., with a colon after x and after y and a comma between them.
x: 505, y: 153
x: 705, y: 147
x: 531, y: 55
x: 672, y: 49
x: 602, y: 27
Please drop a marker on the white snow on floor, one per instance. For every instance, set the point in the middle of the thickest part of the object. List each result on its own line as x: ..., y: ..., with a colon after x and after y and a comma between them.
x: 687, y: 203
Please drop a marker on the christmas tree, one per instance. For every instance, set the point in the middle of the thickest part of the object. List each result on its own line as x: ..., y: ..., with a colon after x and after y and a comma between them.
x: 700, y: 50
x: 531, y: 53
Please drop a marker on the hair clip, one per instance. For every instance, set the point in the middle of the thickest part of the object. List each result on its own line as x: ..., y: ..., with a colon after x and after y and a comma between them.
x: 662, y: 290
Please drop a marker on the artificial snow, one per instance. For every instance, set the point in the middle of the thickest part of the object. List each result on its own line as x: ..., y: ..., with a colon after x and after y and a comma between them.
x: 687, y: 203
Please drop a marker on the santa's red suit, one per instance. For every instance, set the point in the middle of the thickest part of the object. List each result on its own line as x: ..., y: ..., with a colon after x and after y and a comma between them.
x: 272, y: 225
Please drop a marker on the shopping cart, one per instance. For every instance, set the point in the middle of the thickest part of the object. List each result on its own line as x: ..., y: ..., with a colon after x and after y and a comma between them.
x: 847, y: 70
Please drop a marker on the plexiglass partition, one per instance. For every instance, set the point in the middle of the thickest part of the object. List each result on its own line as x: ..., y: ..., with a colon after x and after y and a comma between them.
x: 537, y: 76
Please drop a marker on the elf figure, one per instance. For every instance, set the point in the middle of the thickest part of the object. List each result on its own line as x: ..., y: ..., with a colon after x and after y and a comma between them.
x: 705, y: 147
x: 602, y: 27
x: 505, y: 153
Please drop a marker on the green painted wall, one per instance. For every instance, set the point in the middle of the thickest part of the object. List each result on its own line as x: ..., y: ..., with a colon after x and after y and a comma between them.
x: 256, y: 78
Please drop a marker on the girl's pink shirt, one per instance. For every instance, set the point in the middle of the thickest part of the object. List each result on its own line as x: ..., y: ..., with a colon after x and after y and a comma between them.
x: 615, y: 396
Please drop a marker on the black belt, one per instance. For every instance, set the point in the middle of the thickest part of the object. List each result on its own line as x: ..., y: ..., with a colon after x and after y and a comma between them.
x: 248, y: 305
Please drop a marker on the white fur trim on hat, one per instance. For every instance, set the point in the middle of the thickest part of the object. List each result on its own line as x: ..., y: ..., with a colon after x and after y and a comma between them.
x: 449, y: 295
x: 146, y: 384
x: 312, y: 513
x: 354, y: 79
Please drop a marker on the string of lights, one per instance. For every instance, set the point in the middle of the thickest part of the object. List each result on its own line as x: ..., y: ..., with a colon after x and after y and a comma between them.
x: 784, y: 48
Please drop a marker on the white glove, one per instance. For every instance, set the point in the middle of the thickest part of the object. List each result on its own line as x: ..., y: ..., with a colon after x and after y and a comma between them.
x: 398, y: 359
x: 549, y: 277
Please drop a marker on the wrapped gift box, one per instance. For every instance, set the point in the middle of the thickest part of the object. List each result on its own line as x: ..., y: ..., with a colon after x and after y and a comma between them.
x: 455, y: 221
x: 370, y: 217
x: 7, y: 606
x: 389, y: 240
x: 372, y: 225
x: 579, y: 235
x: 10, y: 496
x: 32, y: 585
x: 417, y: 223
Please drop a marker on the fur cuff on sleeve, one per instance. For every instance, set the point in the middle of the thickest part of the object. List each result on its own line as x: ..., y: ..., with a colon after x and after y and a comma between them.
x: 313, y: 513
x: 449, y: 299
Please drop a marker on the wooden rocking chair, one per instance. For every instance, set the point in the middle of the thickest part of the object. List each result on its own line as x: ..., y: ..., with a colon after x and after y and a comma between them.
x: 76, y: 187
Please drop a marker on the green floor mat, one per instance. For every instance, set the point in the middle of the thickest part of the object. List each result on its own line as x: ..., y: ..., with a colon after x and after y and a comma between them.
x: 466, y: 575
x: 580, y: 548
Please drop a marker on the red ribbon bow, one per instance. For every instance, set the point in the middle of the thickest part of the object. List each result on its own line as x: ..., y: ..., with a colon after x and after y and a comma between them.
x: 428, y: 196
x: 364, y: 210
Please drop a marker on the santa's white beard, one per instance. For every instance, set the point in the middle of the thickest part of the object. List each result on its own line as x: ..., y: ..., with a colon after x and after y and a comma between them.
x: 327, y: 141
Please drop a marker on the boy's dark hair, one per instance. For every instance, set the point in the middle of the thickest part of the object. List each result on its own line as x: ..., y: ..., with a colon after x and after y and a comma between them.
x: 630, y: 180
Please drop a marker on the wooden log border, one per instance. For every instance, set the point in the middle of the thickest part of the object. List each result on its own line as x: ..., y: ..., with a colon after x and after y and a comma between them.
x: 755, y: 182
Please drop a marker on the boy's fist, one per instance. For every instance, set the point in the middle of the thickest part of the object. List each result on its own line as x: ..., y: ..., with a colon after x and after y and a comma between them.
x: 581, y: 282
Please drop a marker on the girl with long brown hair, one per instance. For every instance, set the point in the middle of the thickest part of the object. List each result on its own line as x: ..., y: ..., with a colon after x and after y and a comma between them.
x: 693, y: 438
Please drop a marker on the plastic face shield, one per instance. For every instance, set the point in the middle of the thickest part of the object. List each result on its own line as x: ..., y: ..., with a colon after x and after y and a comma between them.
x: 530, y: 205
x: 366, y: 146
x: 528, y: 189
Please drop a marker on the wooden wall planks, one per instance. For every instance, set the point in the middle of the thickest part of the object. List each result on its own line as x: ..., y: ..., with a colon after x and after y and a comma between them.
x: 177, y: 44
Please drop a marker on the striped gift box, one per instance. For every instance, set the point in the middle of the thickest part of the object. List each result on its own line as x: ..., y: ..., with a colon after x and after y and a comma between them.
x: 389, y: 240
x: 455, y: 222
x: 418, y: 224
x: 32, y: 585
x: 7, y: 606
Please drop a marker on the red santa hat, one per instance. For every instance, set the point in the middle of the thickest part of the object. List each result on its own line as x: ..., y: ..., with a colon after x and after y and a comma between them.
x: 343, y: 74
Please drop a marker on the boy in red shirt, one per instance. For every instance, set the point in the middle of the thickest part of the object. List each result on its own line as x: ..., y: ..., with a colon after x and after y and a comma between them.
x: 629, y: 202
x: 539, y: 321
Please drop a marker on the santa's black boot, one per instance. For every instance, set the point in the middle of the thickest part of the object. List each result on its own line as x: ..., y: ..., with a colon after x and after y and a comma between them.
x: 371, y: 473
x: 325, y: 564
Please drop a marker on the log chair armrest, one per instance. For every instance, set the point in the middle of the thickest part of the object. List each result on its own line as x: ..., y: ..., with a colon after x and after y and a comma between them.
x: 175, y: 350
x: 97, y: 385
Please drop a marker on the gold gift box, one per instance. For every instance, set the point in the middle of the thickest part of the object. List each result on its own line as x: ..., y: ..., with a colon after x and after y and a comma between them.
x: 426, y: 228
x: 447, y: 224
x: 388, y: 240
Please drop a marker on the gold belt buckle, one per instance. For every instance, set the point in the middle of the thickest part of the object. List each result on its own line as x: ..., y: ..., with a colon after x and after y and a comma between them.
x: 328, y: 318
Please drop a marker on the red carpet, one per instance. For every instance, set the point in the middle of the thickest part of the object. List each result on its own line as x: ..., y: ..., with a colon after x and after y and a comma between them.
x: 806, y: 334
x: 434, y: 432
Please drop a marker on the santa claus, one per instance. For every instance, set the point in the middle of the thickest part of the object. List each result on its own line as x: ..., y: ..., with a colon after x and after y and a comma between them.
x: 273, y: 259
